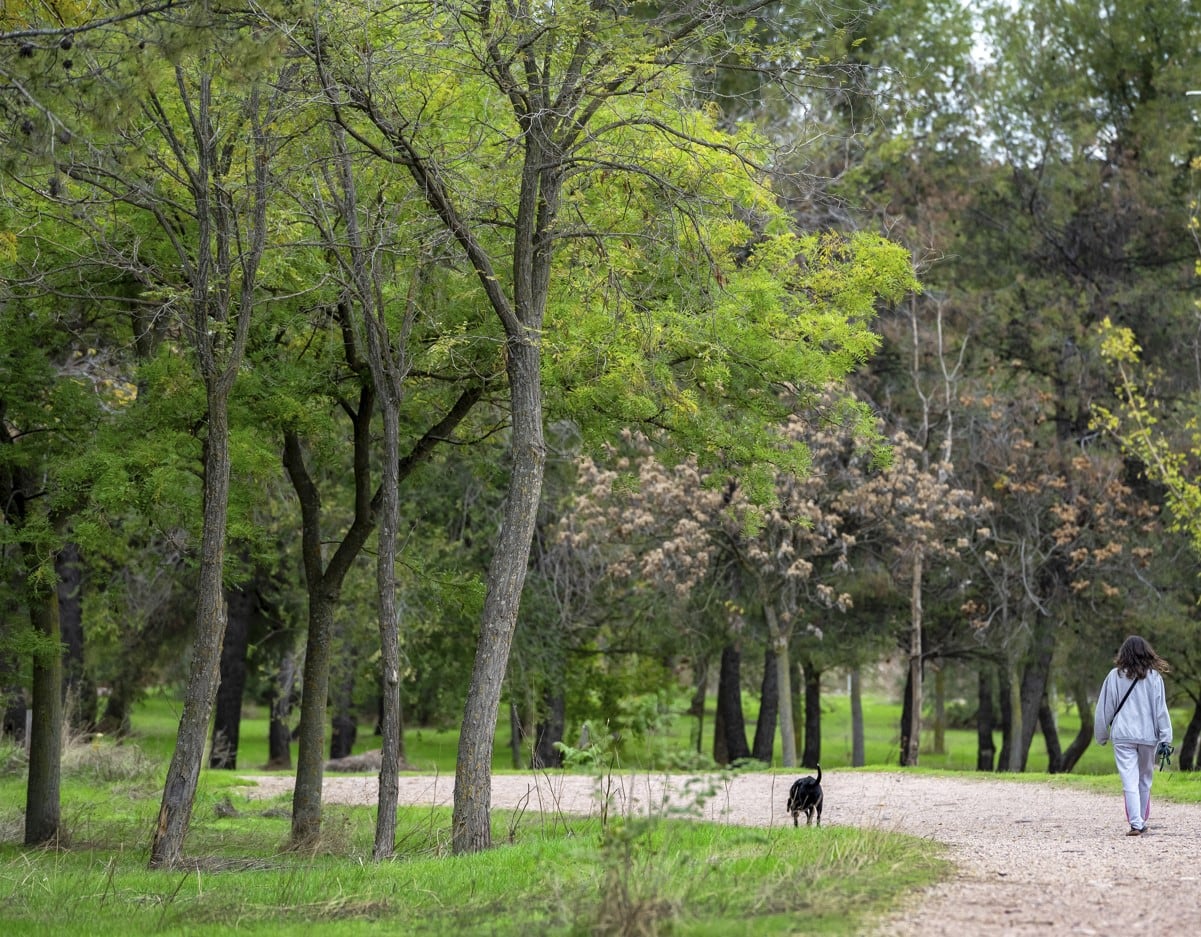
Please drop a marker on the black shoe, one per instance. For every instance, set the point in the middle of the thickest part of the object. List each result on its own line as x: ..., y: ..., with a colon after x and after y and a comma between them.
x: 1135, y: 831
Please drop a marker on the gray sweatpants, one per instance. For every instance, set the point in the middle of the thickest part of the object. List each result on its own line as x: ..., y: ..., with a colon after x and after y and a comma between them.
x: 1136, y: 768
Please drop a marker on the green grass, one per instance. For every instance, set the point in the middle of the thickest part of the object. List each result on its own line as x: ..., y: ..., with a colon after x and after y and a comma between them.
x: 553, y: 876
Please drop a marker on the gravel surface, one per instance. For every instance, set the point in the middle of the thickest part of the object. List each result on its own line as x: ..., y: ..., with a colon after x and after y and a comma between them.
x: 1029, y: 856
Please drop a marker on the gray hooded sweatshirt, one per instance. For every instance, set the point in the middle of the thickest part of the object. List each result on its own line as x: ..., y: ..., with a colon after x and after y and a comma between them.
x: 1144, y: 717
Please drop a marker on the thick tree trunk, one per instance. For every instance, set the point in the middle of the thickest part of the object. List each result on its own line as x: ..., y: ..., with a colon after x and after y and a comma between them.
x: 986, y: 751
x: 812, y: 755
x: 42, y: 801
x: 779, y: 637
x: 179, y: 791
x: 858, y: 749
x: 227, y: 716
x: 764, y: 744
x: 472, y: 830
x: 310, y: 742
x: 729, y: 742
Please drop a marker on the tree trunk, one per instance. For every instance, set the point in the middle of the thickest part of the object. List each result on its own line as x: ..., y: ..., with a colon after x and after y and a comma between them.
x: 550, y: 730
x: 279, y: 733
x: 985, y: 749
x: 911, y: 732
x: 1034, y: 682
x: 42, y: 801
x: 324, y: 588
x: 1084, y: 736
x: 730, y: 725
x: 1190, y: 744
x: 858, y: 751
x: 779, y: 637
x: 1046, y: 720
x: 310, y: 742
x: 472, y: 830
x: 179, y: 791
x: 1010, y: 718
x: 812, y: 755
x: 696, y: 706
x: 516, y: 735
x: 940, y: 710
x: 227, y: 717
x: 769, y: 704
x: 79, y: 691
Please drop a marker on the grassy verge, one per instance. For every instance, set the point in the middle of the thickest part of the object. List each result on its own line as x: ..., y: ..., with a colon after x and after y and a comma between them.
x: 554, y: 876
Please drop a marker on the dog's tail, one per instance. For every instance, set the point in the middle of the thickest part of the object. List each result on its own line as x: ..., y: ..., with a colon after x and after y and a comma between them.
x: 819, y: 773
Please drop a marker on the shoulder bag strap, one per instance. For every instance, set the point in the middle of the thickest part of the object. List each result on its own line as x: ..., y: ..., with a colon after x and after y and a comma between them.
x: 1124, y: 698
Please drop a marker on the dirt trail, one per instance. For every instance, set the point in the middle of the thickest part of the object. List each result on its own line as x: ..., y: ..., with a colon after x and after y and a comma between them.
x: 1029, y: 856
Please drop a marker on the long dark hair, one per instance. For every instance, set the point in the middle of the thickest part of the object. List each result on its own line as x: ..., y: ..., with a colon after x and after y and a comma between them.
x: 1135, y: 657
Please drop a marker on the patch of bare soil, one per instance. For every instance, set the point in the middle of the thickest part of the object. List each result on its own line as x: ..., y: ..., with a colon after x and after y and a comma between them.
x: 1030, y: 857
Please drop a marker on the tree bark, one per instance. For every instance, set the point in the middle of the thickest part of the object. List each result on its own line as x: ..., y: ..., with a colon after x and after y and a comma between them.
x: 985, y: 749
x: 42, y: 800
x: 1034, y: 683
x: 79, y: 691
x: 472, y: 829
x: 729, y: 728
x: 940, y: 710
x: 179, y: 791
x: 1046, y: 720
x: 763, y: 747
x: 779, y: 638
x: 1084, y: 737
x: 323, y: 585
x: 696, y: 706
x: 227, y: 716
x: 1190, y: 744
x: 912, y: 729
x: 550, y: 730
x: 279, y: 733
x: 858, y: 751
x: 812, y: 755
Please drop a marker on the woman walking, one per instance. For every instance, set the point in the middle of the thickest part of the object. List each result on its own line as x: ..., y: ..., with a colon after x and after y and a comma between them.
x: 1132, y: 711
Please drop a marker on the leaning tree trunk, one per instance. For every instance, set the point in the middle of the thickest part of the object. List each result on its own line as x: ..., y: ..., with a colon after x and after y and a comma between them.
x: 1084, y: 736
x: 472, y: 825
x: 1190, y: 744
x: 1046, y: 720
x: 179, y: 791
x: 42, y: 802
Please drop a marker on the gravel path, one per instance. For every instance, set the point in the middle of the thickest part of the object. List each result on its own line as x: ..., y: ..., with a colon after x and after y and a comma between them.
x: 1029, y: 856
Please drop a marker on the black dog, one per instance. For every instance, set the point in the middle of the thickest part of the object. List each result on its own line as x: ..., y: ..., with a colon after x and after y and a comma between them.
x: 806, y: 795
